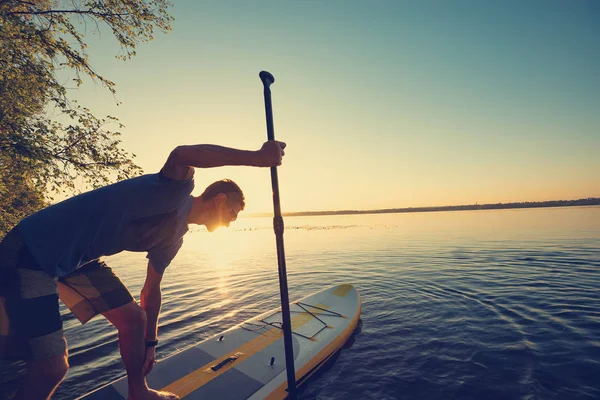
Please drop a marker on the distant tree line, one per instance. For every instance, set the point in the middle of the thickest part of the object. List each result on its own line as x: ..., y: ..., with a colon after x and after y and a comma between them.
x: 591, y: 201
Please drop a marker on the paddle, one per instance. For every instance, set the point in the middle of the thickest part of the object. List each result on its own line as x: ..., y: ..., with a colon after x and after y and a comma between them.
x: 268, y: 79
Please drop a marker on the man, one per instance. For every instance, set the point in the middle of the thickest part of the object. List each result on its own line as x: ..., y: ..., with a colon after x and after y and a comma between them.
x: 55, y: 253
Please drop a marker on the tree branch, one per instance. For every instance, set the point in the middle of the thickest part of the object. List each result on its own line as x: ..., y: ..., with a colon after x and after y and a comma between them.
x: 83, y: 12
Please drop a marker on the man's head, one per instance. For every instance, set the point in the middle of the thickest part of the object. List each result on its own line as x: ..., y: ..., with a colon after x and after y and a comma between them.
x: 220, y: 204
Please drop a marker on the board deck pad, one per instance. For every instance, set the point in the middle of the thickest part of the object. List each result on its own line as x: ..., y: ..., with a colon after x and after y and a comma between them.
x: 248, y: 360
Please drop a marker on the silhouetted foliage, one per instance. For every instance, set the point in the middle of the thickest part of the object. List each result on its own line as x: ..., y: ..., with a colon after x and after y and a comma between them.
x: 41, y: 155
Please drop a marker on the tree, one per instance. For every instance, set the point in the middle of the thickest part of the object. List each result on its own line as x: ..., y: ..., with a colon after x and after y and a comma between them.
x: 42, y: 154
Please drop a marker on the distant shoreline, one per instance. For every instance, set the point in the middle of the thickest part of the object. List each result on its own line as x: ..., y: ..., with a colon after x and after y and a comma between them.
x: 591, y: 201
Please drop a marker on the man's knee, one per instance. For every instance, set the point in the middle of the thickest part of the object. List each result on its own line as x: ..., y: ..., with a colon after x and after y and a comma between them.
x: 130, y: 317
x: 48, y: 372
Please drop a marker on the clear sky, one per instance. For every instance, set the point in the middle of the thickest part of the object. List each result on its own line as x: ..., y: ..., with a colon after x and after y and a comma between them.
x: 383, y: 104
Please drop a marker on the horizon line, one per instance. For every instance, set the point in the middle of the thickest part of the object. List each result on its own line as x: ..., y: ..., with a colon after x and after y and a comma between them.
x: 489, y: 206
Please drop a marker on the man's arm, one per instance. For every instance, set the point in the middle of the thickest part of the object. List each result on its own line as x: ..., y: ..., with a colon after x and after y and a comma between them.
x: 183, y: 159
x: 150, y: 301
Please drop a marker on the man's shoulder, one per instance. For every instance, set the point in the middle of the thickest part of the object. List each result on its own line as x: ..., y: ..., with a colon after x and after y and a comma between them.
x: 158, y: 182
x: 167, y: 178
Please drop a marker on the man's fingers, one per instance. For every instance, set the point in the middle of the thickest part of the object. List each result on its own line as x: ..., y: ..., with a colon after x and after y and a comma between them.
x: 273, y: 152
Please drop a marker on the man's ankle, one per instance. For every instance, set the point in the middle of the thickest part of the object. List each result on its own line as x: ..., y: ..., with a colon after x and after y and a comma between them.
x: 137, y: 390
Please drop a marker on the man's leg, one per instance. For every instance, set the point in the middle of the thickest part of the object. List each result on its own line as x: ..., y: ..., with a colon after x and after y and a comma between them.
x: 94, y: 289
x: 43, y: 377
x: 30, y: 322
x: 130, y: 321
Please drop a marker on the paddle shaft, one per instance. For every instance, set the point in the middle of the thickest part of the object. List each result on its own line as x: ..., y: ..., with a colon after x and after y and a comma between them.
x: 267, y: 79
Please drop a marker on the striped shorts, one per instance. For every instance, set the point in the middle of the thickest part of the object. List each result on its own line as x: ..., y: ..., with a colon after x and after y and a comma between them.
x: 30, y: 321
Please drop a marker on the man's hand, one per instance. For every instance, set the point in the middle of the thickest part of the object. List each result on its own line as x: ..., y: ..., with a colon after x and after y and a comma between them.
x: 271, y: 153
x: 150, y: 360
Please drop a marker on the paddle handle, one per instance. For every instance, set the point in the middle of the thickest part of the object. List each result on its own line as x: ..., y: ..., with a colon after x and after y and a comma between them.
x: 267, y: 80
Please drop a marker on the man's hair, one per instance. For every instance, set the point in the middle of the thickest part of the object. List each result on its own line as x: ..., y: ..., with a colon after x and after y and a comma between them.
x: 227, y: 186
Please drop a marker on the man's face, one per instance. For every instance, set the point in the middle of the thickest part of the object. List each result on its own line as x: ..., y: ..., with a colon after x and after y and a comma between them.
x: 225, y: 211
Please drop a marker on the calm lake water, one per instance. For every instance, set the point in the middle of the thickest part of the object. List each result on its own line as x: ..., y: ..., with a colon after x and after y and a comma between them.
x: 495, y: 304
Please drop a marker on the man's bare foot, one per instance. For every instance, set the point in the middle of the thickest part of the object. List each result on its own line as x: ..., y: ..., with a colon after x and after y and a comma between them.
x: 154, y: 395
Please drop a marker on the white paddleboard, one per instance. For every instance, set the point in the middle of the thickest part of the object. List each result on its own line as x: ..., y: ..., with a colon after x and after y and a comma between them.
x: 248, y: 361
